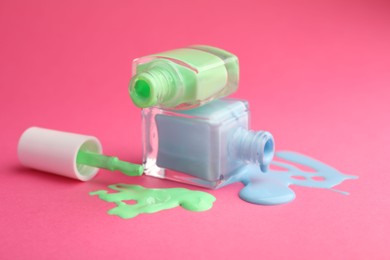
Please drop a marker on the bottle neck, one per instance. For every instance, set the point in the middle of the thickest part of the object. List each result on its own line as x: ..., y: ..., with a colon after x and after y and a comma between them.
x: 153, y: 87
x: 254, y: 147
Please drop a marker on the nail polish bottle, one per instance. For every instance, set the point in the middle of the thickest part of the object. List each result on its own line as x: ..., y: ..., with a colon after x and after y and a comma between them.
x: 183, y: 78
x: 204, y: 146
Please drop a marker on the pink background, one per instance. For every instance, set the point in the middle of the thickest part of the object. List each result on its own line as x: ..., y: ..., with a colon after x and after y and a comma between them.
x: 317, y: 75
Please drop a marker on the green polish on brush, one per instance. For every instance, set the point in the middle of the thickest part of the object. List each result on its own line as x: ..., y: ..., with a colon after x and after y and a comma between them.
x: 67, y: 154
x: 108, y: 162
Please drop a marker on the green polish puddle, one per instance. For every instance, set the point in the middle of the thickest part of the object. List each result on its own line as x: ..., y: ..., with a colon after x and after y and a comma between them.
x: 152, y: 200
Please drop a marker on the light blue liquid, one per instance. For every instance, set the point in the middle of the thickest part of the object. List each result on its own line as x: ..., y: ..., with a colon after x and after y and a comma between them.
x: 273, y: 187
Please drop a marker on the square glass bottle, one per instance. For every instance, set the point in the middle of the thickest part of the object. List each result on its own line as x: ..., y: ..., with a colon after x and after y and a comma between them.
x: 204, y: 146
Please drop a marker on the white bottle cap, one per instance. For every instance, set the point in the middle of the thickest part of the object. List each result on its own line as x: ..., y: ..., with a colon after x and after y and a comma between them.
x: 56, y: 152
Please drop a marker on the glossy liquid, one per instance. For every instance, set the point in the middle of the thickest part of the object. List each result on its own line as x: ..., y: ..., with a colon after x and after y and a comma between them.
x: 273, y: 187
x: 153, y: 200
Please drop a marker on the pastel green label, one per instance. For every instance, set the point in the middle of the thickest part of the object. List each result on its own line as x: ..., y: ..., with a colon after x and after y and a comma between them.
x: 152, y: 200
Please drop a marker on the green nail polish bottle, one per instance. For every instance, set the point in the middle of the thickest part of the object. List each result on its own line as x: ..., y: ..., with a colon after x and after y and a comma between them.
x: 183, y: 78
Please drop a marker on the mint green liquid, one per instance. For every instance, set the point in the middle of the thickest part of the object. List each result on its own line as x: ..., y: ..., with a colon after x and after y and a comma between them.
x: 152, y: 200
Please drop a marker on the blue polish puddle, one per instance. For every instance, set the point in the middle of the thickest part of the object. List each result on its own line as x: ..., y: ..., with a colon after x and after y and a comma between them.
x: 273, y: 187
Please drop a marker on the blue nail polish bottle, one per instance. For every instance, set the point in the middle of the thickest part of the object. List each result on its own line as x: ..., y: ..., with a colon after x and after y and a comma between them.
x: 204, y: 146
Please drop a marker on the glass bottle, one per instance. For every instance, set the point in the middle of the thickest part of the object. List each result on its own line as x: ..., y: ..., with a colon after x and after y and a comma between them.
x: 204, y: 146
x: 183, y: 78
